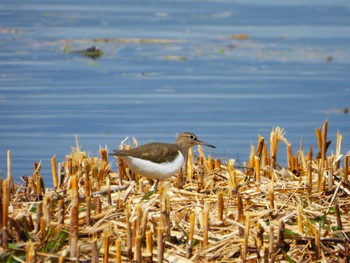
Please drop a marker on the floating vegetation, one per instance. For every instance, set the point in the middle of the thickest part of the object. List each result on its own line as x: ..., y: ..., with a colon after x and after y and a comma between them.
x: 339, y: 110
x: 125, y: 41
x: 261, y: 212
x: 242, y: 36
x: 175, y: 58
x: 138, y: 40
x: 91, y: 52
x: 329, y: 58
x: 5, y: 30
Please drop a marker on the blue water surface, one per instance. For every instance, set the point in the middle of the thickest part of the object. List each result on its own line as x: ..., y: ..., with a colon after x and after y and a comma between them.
x: 168, y: 67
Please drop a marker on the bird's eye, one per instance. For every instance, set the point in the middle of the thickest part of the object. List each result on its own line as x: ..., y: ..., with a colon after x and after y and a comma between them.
x: 192, y: 137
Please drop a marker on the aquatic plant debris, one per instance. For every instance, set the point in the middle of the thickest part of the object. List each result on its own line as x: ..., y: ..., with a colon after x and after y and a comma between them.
x: 91, y: 52
x: 262, y: 211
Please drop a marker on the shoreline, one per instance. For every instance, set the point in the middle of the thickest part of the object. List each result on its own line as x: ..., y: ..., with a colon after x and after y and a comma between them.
x: 258, y: 212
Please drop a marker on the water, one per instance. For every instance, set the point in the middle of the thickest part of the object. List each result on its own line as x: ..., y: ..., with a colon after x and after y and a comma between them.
x: 292, y: 72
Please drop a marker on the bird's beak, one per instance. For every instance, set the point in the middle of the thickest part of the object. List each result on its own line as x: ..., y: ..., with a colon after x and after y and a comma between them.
x: 205, y: 144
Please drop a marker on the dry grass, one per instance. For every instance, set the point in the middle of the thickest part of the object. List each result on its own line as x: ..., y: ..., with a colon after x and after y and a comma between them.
x: 258, y: 213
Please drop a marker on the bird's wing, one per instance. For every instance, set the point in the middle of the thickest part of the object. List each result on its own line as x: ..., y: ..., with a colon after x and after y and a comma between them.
x: 154, y: 151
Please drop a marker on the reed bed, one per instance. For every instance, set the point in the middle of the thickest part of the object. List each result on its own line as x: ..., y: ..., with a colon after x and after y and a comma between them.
x: 212, y: 212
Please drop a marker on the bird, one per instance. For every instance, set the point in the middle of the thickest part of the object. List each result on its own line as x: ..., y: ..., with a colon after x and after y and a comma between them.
x: 159, y: 161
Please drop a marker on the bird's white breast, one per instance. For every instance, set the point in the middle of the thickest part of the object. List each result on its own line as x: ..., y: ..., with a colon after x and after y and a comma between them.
x: 155, y: 171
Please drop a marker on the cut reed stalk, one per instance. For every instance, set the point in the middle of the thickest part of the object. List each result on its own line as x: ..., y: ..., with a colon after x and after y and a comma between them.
x: 346, y: 248
x: 128, y: 231
x: 1, y: 206
x: 272, y: 194
x: 320, y: 179
x: 251, y: 162
x: 144, y: 223
x: 149, y: 245
x: 42, y: 228
x: 210, y: 164
x: 87, y: 169
x: 232, y: 175
x: 203, y: 157
x: 134, y: 141
x: 264, y: 158
x: 190, y: 235
x: 40, y: 186
x: 309, y: 177
x: 101, y: 173
x: 109, y: 197
x: 47, y: 208
x: 221, y: 206
x: 338, y: 216
x: 338, y: 150
x: 266, y: 254
x: 190, y: 165
x: 30, y: 223
x: 260, y: 146
x: 319, y: 139
x: 281, y: 243
x: 94, y: 175
x: 160, y: 244
x: 30, y: 252
x: 133, y: 235
x: 74, y: 216
x: 324, y: 142
x: 217, y: 164
x: 88, y: 211
x: 106, y: 236
x: 246, y: 238
x: 205, y: 225
x: 138, y: 247
x: 61, y: 174
x: 5, y: 206
x: 39, y: 214
x: 300, y: 220
x: 346, y: 169
x: 290, y: 157
x: 303, y: 161
x: 104, y: 155
x: 165, y: 214
x: 118, y: 203
x: 260, y: 236
x: 240, y: 210
x: 118, y: 254
x: 9, y: 168
x: 69, y: 165
x: 94, y: 251
x: 330, y: 178
x: 60, y: 214
x: 273, y: 148
x: 310, y: 154
x: 271, y: 244
x: 276, y: 136
x: 97, y: 205
x: 54, y: 172
x: 257, y: 171
x: 317, y: 243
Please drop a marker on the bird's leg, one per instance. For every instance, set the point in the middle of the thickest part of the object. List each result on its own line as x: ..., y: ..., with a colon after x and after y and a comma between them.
x: 153, y: 190
x: 154, y: 187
